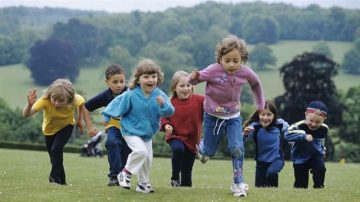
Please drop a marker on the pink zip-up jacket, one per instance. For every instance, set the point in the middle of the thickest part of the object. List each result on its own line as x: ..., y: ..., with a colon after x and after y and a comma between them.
x: 223, y: 90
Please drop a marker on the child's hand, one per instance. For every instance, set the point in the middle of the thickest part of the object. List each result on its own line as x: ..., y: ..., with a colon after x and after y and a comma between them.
x: 160, y: 100
x: 168, y: 129
x: 194, y: 74
x: 32, y: 97
x: 92, y: 132
x: 248, y: 130
x: 309, y: 138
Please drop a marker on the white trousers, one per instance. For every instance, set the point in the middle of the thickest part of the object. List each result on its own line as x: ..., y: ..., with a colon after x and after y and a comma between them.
x: 140, y: 159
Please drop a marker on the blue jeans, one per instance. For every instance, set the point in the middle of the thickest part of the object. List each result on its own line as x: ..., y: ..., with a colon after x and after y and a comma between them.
x: 118, y: 151
x: 182, y: 162
x: 214, y: 129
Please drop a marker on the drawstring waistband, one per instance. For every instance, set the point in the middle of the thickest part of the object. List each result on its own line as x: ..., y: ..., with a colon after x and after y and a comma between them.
x: 219, y: 127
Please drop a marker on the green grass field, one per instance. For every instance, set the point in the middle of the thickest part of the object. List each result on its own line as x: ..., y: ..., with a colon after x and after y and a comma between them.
x: 23, y: 176
x: 15, y: 80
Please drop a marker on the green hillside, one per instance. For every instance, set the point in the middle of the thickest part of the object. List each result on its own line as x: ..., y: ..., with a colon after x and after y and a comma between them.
x: 15, y: 79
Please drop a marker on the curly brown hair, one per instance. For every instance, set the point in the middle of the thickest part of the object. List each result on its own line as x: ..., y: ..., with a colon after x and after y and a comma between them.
x: 230, y: 43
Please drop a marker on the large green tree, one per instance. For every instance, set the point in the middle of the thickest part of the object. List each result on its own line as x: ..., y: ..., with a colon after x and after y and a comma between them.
x: 52, y: 59
x: 351, y: 62
x: 262, y: 56
x: 306, y: 78
x: 260, y: 28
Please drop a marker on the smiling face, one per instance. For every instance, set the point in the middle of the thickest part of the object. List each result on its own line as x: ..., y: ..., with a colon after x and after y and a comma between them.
x: 148, y: 83
x: 183, y: 88
x: 314, y: 121
x: 266, y: 117
x: 116, y: 83
x: 231, y: 61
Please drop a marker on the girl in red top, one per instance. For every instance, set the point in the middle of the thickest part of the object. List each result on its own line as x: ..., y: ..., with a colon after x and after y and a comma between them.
x: 183, y: 128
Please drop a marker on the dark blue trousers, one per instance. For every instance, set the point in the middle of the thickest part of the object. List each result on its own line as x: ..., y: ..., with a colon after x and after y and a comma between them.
x: 182, y: 161
x: 118, y: 151
x: 55, y: 147
x: 301, y: 171
x: 267, y: 174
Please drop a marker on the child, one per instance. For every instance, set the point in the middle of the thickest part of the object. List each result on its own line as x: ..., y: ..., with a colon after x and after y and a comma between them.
x: 58, y: 105
x: 307, y: 151
x: 222, y: 104
x: 140, y: 109
x: 116, y: 146
x: 266, y: 129
x: 183, y: 129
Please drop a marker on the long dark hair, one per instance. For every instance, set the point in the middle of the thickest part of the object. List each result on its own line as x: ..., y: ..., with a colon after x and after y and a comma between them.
x: 270, y: 105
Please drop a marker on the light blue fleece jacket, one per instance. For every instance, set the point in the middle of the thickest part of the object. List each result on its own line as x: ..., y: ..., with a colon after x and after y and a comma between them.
x: 140, y: 115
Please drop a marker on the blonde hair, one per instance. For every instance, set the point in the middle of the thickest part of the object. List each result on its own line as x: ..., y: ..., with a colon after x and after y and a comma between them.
x: 146, y: 66
x: 228, y: 44
x: 61, y: 88
x: 175, y: 80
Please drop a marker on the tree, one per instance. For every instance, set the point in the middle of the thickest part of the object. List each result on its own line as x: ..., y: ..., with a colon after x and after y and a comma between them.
x: 322, y: 48
x: 306, y: 78
x: 351, y: 62
x: 260, y: 28
x: 262, y: 56
x: 52, y: 59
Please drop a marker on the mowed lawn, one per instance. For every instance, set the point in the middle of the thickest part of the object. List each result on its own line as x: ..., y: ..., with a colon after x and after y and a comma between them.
x: 23, y: 177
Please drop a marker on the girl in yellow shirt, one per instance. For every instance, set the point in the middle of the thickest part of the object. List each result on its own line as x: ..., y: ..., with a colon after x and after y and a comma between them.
x: 58, y: 105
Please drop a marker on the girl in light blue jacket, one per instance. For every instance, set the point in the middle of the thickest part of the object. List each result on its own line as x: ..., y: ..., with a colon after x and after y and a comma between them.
x: 140, y: 109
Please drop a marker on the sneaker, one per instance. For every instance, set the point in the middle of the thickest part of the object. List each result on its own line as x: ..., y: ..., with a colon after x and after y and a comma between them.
x: 239, y: 190
x: 144, y: 188
x: 124, y: 180
x: 203, y: 159
x: 175, y: 183
x: 113, y: 182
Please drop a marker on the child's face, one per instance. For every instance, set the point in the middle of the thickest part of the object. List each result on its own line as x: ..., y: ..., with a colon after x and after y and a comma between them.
x: 183, y: 89
x: 231, y: 61
x: 266, y: 117
x: 58, y: 101
x: 116, y: 83
x: 148, y: 82
x: 313, y: 120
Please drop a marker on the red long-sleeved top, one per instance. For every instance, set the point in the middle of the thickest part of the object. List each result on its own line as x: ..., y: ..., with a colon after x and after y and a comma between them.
x: 186, y: 121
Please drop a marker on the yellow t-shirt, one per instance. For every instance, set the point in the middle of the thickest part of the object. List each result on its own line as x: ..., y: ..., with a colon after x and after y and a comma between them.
x: 113, y: 123
x: 56, y: 119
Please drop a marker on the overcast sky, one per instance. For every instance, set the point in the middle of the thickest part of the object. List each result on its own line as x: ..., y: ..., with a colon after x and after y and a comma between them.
x: 156, y: 5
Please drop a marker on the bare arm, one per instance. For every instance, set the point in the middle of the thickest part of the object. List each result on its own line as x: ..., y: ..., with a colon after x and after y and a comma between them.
x: 91, y: 130
x: 28, y: 110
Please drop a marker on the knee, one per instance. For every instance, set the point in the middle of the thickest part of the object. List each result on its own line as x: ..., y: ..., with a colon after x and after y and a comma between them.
x: 178, y: 150
x: 141, y: 153
x: 237, y: 152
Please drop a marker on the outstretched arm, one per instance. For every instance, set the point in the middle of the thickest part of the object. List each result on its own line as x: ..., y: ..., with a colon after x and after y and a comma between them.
x: 28, y: 109
x: 92, y: 131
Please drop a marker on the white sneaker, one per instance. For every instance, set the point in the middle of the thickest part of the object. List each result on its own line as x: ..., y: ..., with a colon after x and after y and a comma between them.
x: 124, y: 180
x: 239, y: 190
x: 203, y: 159
x: 144, y: 188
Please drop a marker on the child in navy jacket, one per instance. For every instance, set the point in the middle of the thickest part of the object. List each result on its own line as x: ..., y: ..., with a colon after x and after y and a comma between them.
x: 266, y: 130
x: 308, y: 151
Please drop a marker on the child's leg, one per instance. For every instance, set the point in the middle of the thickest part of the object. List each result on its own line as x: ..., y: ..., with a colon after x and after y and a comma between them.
x: 144, y: 171
x: 55, y: 145
x: 125, y: 151
x: 301, y: 172
x: 236, y: 147
x: 186, y: 170
x: 272, y: 173
x: 318, y: 171
x: 213, y: 131
x: 138, y: 155
x: 178, y: 149
x: 113, y: 146
x: 260, y: 174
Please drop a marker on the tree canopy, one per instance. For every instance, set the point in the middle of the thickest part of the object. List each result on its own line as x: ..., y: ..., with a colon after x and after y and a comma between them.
x: 52, y: 59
